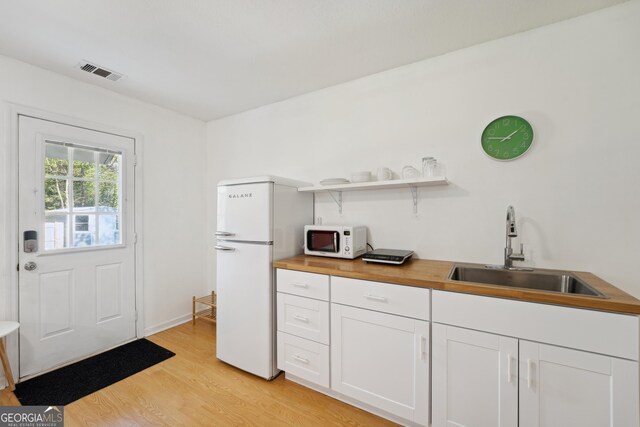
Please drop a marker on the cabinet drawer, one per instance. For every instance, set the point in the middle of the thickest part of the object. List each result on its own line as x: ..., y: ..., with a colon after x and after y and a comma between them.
x: 308, y: 285
x: 303, y: 358
x: 304, y: 317
x: 395, y: 299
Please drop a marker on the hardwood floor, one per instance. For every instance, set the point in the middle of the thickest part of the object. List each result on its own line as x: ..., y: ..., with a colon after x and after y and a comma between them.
x: 195, y: 389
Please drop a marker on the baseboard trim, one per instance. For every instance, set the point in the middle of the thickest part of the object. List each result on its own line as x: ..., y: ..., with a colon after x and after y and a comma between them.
x: 151, y: 330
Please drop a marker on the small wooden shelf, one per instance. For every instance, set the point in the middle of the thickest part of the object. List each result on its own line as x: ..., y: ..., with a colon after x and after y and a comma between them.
x: 209, y: 313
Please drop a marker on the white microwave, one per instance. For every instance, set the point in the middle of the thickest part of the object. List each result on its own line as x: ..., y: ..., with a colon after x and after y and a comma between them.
x: 338, y: 241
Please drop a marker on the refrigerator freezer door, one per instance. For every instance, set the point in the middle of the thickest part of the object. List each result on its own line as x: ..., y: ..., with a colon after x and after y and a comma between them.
x: 245, y: 212
x: 245, y: 325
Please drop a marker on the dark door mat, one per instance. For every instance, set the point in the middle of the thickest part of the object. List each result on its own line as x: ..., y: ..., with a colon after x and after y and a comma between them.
x: 72, y: 382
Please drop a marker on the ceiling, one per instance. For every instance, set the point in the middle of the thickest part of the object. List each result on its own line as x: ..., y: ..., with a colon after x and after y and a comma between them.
x: 212, y: 58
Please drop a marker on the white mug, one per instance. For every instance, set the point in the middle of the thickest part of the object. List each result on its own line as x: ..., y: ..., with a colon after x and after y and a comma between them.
x: 384, y: 174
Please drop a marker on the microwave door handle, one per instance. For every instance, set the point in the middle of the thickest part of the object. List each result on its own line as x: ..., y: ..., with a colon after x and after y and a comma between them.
x: 335, y: 241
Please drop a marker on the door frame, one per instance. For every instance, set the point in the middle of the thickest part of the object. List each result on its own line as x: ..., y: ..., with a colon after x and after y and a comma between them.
x: 10, y: 214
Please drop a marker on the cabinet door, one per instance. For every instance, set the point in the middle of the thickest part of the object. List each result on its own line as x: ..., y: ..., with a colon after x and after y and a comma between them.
x: 565, y: 387
x: 475, y: 377
x: 381, y: 360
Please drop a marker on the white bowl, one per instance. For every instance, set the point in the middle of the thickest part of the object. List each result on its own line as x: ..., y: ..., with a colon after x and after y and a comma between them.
x: 364, y: 176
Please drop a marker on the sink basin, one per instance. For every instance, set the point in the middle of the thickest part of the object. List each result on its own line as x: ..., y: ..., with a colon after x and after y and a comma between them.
x: 537, y: 279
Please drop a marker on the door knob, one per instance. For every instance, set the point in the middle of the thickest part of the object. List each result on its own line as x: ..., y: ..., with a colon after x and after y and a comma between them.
x: 30, y: 266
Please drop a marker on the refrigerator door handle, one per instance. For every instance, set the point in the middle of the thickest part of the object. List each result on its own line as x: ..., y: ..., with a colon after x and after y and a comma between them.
x: 224, y: 234
x: 223, y: 248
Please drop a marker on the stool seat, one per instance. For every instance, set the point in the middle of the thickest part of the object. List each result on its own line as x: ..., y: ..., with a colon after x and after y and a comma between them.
x: 8, y: 326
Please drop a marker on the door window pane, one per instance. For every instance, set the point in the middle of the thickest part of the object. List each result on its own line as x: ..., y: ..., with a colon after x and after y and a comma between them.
x: 109, y: 166
x: 109, y: 226
x: 74, y: 215
x: 84, y: 163
x: 55, y: 194
x: 56, y: 162
x: 108, y: 198
x: 84, y: 230
x: 84, y: 195
x: 56, y: 231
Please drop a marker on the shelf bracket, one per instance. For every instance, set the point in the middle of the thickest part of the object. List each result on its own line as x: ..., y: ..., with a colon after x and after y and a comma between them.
x: 414, y: 195
x: 337, y: 197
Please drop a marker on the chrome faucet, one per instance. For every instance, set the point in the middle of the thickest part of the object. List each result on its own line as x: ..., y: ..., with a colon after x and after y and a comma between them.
x: 509, y: 256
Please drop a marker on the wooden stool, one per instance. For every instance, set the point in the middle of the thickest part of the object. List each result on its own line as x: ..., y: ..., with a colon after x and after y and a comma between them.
x: 6, y: 327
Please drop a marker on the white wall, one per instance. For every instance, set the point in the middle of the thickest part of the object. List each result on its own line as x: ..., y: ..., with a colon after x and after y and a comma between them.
x: 173, y: 181
x: 575, y: 192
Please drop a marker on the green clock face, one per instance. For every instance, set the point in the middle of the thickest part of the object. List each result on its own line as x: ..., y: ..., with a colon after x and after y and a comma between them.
x: 507, y: 138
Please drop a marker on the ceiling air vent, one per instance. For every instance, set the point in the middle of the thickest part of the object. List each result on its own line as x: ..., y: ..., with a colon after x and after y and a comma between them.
x: 100, y: 71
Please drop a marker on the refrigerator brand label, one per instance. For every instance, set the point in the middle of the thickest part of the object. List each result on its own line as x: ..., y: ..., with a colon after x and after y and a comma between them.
x: 240, y: 195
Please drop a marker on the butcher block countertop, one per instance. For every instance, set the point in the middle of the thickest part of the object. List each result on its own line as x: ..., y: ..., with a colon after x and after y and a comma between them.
x: 433, y: 275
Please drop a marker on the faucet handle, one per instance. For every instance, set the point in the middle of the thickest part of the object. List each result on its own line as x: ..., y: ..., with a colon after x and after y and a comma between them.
x: 518, y: 256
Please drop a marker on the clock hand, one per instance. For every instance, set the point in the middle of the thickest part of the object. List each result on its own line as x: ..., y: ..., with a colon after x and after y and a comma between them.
x: 511, y: 134
x: 499, y: 137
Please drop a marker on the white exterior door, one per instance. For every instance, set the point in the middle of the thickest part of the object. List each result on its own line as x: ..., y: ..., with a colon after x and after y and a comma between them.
x: 565, y: 387
x: 77, y: 276
x: 475, y: 378
x: 382, y: 360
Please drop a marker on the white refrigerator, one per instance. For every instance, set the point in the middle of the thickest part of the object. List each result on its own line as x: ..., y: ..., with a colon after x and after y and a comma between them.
x: 260, y: 220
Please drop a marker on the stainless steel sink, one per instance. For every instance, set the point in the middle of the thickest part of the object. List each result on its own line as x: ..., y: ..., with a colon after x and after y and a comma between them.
x: 537, y: 279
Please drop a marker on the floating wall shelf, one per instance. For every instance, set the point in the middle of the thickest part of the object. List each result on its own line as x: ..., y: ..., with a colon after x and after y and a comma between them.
x: 336, y: 190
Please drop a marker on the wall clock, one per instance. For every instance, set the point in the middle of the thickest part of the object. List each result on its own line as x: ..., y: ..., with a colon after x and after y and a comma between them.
x: 507, y: 138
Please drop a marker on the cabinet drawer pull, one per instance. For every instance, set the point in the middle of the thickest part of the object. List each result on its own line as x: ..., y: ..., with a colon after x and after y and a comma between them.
x: 301, y: 318
x: 300, y: 285
x: 529, y: 377
x: 509, y: 372
x: 375, y: 298
x: 301, y: 359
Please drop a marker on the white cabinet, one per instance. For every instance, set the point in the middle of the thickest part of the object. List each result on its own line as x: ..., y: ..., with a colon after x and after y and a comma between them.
x: 494, y: 362
x: 565, y: 387
x: 476, y: 383
x: 374, y: 354
x: 382, y: 360
x: 475, y: 378
x: 488, y: 379
x: 303, y: 325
